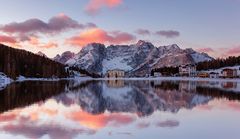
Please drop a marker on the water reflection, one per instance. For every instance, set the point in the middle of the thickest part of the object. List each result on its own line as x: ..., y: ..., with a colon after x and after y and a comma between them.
x: 116, y: 108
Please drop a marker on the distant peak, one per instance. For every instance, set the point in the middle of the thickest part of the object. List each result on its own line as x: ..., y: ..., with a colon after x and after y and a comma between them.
x: 94, y: 44
x: 67, y: 53
x: 174, y: 46
x: 143, y: 43
x: 190, y: 50
x: 171, y: 47
x: 41, y: 54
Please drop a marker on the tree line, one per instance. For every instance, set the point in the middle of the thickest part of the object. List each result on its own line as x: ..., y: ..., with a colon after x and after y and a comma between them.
x: 166, y: 71
x: 206, y: 65
x: 16, y: 62
x: 219, y: 63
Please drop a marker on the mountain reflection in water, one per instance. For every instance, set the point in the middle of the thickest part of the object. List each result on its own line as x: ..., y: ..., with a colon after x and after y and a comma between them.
x: 108, y: 108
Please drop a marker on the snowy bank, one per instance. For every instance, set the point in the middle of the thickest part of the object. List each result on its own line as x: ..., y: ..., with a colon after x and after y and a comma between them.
x: 176, y: 79
x: 22, y: 79
x: 4, y: 80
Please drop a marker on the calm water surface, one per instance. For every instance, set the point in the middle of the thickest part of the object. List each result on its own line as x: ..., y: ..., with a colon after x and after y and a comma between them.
x: 120, y: 109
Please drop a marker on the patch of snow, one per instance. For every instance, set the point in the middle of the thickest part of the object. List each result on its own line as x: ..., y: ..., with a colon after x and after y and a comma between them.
x: 71, y: 62
x: 199, y: 99
x: 4, y: 80
x: 197, y: 57
x: 117, y: 94
x: 115, y: 63
x: 22, y: 79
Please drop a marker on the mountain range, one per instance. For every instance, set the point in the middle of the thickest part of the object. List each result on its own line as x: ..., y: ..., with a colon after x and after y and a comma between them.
x: 136, y: 60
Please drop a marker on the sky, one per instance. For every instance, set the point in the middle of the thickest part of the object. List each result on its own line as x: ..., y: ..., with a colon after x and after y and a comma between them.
x: 52, y: 27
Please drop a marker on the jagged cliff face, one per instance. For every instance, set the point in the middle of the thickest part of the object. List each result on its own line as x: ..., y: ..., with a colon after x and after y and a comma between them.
x: 136, y: 60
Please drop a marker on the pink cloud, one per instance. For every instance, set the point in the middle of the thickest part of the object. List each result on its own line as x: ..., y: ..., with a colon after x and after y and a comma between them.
x: 94, y: 6
x: 143, y: 32
x: 56, y: 24
x: 168, y: 123
x: 168, y: 33
x: 234, y: 51
x: 7, y: 39
x: 31, y: 129
x: 143, y: 125
x: 97, y: 35
x: 7, y: 117
x: 205, y: 50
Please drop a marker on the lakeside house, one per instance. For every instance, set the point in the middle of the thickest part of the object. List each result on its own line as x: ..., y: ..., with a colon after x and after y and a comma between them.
x: 157, y: 74
x: 229, y: 73
x: 214, y: 75
x: 115, y: 73
x: 203, y: 75
x: 187, y: 70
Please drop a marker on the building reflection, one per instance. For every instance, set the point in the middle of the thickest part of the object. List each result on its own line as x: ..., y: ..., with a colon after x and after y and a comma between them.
x: 115, y: 83
x: 229, y: 85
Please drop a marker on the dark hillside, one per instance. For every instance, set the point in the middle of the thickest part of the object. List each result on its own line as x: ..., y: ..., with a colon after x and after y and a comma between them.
x: 15, y: 62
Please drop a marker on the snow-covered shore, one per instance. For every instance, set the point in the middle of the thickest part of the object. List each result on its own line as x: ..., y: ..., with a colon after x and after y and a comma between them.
x: 22, y: 79
x: 177, y: 79
x: 4, y: 81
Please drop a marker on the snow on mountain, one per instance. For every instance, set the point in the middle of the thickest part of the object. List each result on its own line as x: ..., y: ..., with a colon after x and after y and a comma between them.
x: 64, y: 57
x: 115, y: 63
x: 136, y: 59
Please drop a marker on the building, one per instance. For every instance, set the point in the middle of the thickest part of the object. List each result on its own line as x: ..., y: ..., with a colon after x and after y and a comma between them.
x: 157, y: 74
x: 115, y: 74
x: 229, y: 73
x: 214, y: 75
x: 203, y: 75
x: 187, y: 70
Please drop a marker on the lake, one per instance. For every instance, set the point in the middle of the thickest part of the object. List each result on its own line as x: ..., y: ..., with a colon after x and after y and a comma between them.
x: 120, y: 109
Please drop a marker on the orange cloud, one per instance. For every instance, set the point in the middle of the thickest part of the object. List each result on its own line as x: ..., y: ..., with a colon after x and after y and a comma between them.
x: 100, y: 121
x: 94, y: 6
x: 97, y: 35
x: 49, y: 45
x: 35, y: 42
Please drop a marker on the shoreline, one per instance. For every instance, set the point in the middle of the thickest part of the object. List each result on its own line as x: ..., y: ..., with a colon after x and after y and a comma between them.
x: 176, y: 79
x: 130, y: 79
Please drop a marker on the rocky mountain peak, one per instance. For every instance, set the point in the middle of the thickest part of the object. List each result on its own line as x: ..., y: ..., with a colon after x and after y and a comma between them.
x: 136, y: 60
x: 171, y: 47
x: 189, y: 50
x: 142, y: 43
x: 92, y: 46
